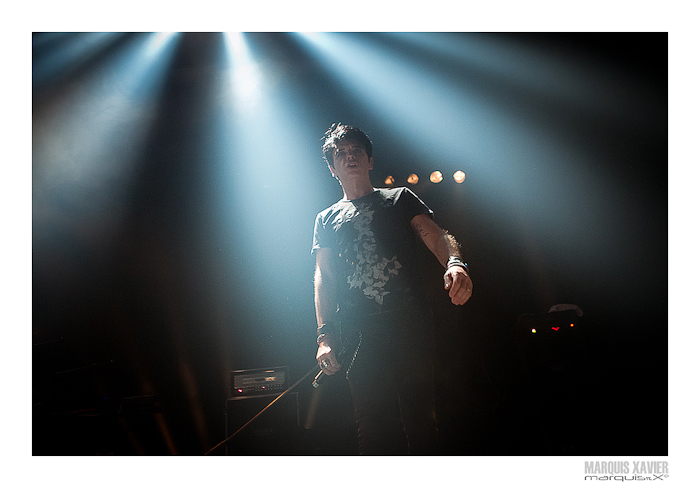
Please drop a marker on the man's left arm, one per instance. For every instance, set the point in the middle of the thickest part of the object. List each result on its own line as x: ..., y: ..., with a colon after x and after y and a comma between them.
x: 446, y: 250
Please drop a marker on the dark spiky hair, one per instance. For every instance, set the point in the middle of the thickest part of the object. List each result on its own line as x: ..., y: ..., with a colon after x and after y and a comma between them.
x: 341, y: 133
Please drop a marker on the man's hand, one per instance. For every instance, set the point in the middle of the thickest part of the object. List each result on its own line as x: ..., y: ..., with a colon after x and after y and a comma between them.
x: 443, y: 246
x: 326, y: 358
x: 458, y: 282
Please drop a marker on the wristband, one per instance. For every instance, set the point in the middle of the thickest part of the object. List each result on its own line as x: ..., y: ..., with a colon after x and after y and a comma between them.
x: 455, y: 261
x: 326, y: 329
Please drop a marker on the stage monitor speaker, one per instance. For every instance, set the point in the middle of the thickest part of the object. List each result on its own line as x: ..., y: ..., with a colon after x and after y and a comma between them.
x: 274, y: 432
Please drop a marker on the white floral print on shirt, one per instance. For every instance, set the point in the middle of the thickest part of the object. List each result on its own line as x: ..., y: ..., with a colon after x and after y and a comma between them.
x: 370, y: 274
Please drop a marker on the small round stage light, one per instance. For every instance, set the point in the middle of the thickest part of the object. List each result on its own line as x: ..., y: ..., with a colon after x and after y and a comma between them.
x: 534, y: 331
x: 389, y: 180
x: 436, y: 177
x: 413, y: 179
x: 459, y: 176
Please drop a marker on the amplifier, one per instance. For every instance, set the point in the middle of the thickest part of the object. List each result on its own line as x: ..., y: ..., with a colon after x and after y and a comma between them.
x: 275, y: 432
x: 247, y: 382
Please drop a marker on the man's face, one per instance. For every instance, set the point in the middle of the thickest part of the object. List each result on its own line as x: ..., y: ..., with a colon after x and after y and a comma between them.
x: 350, y: 161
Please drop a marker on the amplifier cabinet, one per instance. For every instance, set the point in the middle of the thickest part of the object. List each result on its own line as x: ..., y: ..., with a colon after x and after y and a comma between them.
x: 274, y: 432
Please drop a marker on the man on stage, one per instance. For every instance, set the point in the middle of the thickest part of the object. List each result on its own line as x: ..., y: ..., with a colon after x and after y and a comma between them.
x: 369, y: 300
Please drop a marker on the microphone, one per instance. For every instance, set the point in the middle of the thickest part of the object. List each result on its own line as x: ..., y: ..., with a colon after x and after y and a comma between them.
x: 321, y: 377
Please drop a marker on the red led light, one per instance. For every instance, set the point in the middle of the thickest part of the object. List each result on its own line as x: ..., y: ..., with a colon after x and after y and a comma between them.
x: 555, y: 328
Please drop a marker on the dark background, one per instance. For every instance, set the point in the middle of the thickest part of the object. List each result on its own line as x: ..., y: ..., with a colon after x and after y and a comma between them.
x: 149, y: 290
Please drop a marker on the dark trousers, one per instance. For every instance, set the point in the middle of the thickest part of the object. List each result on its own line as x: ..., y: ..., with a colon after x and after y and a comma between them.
x: 391, y: 382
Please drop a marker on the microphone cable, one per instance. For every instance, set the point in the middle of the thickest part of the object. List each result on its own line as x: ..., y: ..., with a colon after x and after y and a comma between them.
x: 261, y: 411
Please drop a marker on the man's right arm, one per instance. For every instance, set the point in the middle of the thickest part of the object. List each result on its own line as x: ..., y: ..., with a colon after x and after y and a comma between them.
x: 326, y: 304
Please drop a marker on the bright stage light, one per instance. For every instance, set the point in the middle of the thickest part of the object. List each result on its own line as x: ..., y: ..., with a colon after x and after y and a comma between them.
x: 436, y: 177
x: 389, y: 181
x: 68, y: 53
x: 266, y: 161
x: 413, y: 179
x: 246, y: 78
x: 405, y: 96
x: 157, y: 42
x: 86, y: 142
x: 459, y: 176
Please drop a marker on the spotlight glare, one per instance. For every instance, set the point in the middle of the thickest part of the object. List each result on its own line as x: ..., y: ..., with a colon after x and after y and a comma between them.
x: 157, y: 42
x: 236, y: 44
x: 436, y: 177
x: 245, y: 74
x: 413, y: 179
x: 459, y: 176
x: 389, y: 180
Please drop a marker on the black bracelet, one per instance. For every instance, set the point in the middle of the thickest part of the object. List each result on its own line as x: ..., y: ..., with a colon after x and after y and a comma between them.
x: 328, y: 328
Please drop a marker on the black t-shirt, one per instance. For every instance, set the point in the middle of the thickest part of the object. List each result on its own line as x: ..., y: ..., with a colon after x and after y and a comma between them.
x: 374, y: 250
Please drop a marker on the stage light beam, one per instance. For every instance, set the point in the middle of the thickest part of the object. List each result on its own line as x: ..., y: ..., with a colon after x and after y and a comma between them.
x: 86, y: 141
x: 246, y: 78
x: 157, y: 42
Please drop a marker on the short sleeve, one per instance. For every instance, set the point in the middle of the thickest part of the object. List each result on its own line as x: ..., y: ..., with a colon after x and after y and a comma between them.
x: 320, y: 235
x: 412, y: 205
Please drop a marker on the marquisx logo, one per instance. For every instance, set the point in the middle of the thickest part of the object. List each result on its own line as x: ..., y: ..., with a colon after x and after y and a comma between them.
x: 626, y: 470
